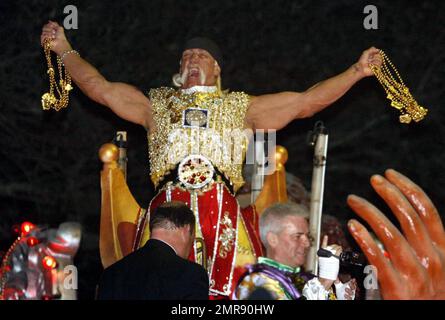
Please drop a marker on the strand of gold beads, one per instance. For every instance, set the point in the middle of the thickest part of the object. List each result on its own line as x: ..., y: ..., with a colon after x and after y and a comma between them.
x: 397, y: 91
x: 49, y: 99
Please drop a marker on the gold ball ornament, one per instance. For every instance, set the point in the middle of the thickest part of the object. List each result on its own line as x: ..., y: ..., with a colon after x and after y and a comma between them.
x: 108, y: 153
x: 281, y: 154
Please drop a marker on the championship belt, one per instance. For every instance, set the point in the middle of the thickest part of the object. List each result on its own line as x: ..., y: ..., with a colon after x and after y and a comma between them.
x: 196, y: 118
x: 195, y: 171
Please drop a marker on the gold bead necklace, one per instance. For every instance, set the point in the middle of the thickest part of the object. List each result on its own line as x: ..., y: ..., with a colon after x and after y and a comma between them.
x: 397, y: 91
x: 49, y: 99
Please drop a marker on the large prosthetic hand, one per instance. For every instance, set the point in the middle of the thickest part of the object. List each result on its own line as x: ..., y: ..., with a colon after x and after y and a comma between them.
x: 416, y: 265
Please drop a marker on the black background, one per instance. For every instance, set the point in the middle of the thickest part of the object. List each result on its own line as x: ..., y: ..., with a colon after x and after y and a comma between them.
x: 49, y: 168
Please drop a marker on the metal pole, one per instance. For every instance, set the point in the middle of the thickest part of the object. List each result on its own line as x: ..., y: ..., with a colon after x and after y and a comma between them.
x: 320, y: 140
x: 121, y: 142
x: 258, y: 168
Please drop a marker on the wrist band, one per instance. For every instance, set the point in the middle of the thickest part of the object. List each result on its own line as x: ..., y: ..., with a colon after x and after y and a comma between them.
x: 68, y: 52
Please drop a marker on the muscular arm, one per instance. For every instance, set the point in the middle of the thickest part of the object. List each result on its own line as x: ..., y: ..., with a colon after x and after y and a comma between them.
x: 287, y: 106
x: 124, y: 100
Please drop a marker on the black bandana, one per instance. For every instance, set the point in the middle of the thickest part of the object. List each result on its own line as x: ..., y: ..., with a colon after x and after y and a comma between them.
x: 206, y: 44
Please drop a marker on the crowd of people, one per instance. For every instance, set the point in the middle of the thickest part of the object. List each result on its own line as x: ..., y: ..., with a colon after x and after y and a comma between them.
x: 415, y: 268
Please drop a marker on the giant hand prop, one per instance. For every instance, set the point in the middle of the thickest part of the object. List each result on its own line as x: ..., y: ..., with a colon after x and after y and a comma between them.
x: 415, y: 268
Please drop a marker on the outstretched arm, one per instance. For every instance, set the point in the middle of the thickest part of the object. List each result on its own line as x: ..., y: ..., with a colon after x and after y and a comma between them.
x: 124, y: 100
x: 287, y: 106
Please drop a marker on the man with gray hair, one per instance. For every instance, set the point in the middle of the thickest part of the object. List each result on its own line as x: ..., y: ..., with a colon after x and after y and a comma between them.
x: 284, y: 231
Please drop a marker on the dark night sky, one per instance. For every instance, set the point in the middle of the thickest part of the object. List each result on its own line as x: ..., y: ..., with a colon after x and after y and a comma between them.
x: 49, y: 169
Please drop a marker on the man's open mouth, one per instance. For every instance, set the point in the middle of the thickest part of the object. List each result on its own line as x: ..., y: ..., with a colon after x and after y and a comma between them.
x: 194, y: 72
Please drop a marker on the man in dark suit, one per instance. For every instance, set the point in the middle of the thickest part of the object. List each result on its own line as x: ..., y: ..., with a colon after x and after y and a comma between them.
x: 159, y: 270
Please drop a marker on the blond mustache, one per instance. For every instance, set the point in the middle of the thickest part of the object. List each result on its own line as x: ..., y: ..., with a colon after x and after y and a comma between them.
x: 185, y: 73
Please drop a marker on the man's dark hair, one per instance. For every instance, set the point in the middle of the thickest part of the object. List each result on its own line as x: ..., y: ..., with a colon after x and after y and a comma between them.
x: 172, y: 215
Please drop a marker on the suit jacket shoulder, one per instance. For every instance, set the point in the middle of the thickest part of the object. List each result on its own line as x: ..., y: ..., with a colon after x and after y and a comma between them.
x: 154, y: 272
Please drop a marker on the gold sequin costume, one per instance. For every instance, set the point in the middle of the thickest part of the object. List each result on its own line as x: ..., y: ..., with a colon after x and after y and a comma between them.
x: 196, y: 152
x: 217, y: 135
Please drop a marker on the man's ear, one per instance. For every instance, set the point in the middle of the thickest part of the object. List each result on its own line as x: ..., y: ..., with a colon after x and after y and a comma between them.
x: 188, y: 231
x: 191, y: 230
x: 271, y: 239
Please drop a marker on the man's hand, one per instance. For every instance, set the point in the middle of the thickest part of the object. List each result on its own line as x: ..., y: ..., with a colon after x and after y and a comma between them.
x: 56, y: 34
x: 373, y: 56
x: 416, y: 267
x: 345, y: 291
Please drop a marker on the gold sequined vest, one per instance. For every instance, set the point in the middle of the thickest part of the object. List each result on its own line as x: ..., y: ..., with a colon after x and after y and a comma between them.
x: 208, y: 124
